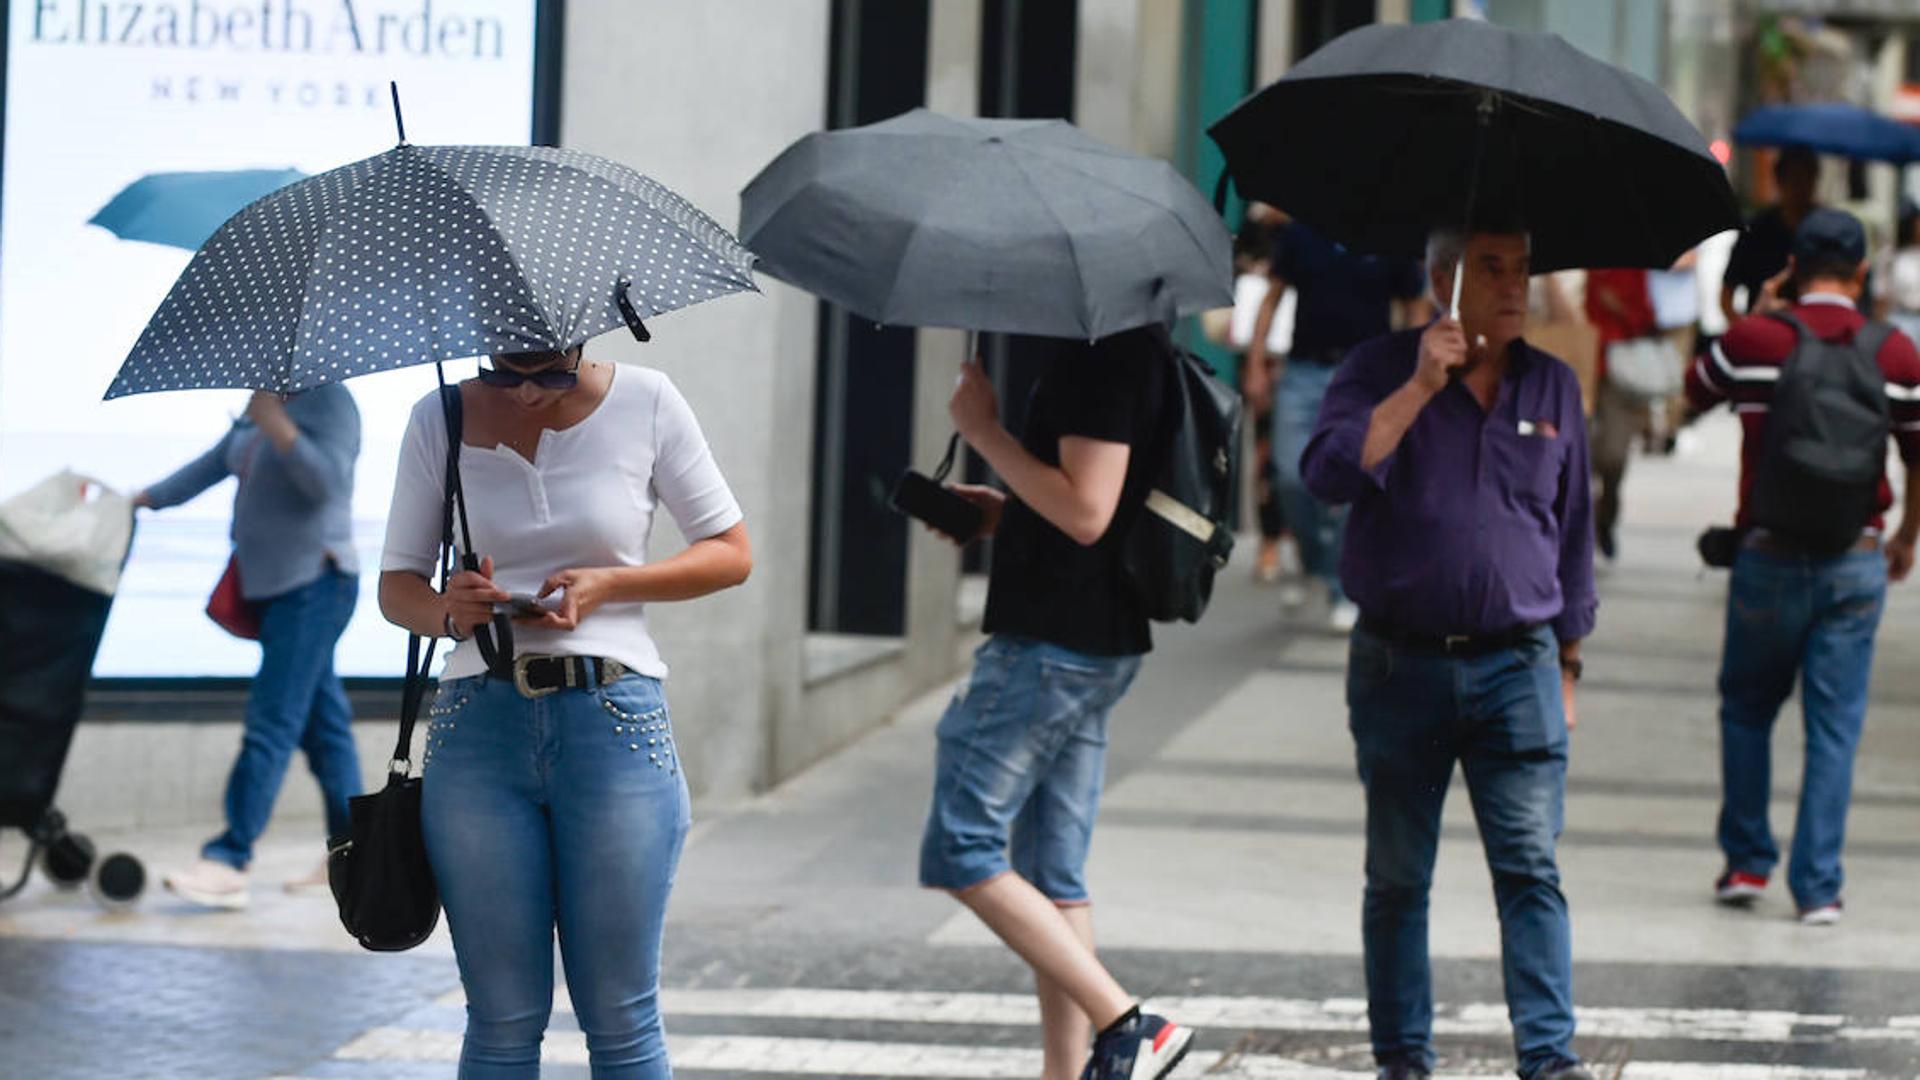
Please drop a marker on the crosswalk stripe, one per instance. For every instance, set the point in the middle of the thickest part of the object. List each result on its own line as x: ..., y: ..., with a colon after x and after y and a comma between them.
x: 1264, y: 1013
x: 856, y: 1058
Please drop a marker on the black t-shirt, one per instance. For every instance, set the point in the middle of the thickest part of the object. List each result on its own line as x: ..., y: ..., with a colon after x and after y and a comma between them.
x: 1760, y: 253
x: 1345, y: 297
x: 1043, y: 585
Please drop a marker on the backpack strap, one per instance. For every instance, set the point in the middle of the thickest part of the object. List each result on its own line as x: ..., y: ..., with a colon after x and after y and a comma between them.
x: 1871, y: 336
x: 1799, y: 328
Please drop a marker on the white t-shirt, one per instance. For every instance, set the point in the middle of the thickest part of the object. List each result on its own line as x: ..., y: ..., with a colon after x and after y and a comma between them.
x: 1903, y: 280
x: 1249, y: 292
x: 587, y: 499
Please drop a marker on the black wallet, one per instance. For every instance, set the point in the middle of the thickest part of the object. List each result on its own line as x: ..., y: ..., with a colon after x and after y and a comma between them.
x: 926, y: 498
x: 1719, y: 546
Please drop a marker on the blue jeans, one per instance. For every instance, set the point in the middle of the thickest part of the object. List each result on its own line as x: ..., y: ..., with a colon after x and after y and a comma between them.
x: 564, y: 811
x: 296, y: 701
x: 1317, y: 527
x: 1022, y: 756
x: 1501, y: 716
x: 1815, y: 618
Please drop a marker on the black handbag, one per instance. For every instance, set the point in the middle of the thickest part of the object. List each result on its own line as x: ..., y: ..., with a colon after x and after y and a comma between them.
x: 379, y: 872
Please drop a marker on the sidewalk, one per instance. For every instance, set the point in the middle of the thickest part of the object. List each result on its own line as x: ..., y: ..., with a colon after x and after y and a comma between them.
x: 1226, y: 874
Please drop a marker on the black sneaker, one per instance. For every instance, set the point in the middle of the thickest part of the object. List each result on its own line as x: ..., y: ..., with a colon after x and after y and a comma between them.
x: 1564, y: 1069
x: 1403, y: 1070
x: 1141, y: 1046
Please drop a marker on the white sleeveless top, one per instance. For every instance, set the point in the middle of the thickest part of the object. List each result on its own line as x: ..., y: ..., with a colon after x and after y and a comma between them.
x: 587, y: 499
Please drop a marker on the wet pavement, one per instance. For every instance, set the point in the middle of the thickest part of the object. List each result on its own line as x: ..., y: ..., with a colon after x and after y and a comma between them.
x: 1226, y: 876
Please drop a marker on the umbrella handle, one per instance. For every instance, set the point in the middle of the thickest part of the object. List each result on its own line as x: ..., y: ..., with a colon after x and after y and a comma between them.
x: 1483, y: 116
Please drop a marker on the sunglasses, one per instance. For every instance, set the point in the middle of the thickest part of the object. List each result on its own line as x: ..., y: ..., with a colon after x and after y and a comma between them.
x: 545, y: 378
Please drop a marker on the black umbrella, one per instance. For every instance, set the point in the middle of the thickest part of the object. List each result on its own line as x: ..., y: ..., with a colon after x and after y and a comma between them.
x: 1017, y: 226
x: 1389, y: 131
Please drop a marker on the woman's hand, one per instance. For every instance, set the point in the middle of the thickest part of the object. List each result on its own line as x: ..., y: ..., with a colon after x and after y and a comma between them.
x: 582, y: 591
x: 268, y: 411
x: 470, y: 597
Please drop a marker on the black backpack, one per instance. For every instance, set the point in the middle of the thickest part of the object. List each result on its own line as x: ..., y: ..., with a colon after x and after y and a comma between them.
x: 1182, y: 534
x: 1826, y: 442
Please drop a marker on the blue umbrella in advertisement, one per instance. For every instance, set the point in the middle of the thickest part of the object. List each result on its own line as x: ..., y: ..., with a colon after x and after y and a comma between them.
x: 182, y: 209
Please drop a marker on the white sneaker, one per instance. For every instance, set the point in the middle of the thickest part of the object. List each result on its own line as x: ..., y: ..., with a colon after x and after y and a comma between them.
x: 1824, y: 915
x: 1293, y: 596
x: 1342, y: 617
x: 313, y: 880
x: 1290, y: 560
x: 210, y: 884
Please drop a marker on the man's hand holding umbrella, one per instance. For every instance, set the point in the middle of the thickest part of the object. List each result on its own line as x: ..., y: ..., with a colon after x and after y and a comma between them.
x: 975, y: 410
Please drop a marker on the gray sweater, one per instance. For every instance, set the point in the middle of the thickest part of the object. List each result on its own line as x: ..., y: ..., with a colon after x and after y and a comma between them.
x: 293, y: 511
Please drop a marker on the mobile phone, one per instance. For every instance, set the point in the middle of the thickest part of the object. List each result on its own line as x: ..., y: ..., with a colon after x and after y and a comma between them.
x: 920, y: 497
x: 523, y: 605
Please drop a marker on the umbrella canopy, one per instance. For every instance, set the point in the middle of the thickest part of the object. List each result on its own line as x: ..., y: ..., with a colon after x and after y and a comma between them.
x: 1847, y: 130
x: 1388, y: 131
x: 429, y: 253
x: 182, y: 209
x: 1014, y: 226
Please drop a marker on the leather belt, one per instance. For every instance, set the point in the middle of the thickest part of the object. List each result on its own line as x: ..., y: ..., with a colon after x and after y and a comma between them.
x: 1462, y: 645
x: 1785, y: 547
x: 538, y: 676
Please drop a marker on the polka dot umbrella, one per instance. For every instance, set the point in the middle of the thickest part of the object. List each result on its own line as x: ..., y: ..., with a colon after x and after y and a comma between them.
x: 428, y: 253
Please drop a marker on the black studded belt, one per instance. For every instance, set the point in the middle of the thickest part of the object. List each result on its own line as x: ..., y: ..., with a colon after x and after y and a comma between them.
x: 538, y: 676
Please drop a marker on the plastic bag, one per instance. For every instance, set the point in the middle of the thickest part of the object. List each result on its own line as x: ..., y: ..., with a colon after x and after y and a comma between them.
x: 70, y: 526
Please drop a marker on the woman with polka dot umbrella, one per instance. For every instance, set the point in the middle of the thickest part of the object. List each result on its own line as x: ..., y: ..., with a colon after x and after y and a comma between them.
x: 558, y: 465
x: 429, y: 253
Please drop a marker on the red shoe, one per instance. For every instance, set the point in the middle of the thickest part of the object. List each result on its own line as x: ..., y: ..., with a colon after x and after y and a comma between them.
x: 1739, y: 888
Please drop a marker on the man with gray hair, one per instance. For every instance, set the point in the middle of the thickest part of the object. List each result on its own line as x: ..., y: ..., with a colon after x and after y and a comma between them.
x: 1462, y: 451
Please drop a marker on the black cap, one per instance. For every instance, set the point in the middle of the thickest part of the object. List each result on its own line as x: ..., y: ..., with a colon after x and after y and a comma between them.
x: 1830, y: 236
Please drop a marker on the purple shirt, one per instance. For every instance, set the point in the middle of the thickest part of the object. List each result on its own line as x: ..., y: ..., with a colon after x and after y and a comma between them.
x: 1479, y: 521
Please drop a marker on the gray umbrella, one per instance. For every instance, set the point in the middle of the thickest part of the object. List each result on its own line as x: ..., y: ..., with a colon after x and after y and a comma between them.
x: 429, y: 253
x: 1015, y: 226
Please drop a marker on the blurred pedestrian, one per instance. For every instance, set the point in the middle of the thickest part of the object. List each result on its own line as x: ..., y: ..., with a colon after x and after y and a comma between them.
x: 1344, y: 298
x: 553, y: 797
x: 1021, y: 755
x: 1619, y: 307
x: 1900, y: 304
x: 1760, y: 255
x: 1463, y: 453
x: 1249, y: 297
x: 293, y: 551
x: 1803, y: 602
x: 1675, y: 293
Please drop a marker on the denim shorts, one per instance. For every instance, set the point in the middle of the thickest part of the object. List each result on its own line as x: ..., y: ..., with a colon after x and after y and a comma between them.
x: 1021, y: 759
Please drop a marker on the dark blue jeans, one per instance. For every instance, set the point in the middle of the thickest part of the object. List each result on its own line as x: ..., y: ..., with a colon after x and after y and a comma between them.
x: 1815, y: 618
x: 1501, y: 717
x: 296, y: 701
